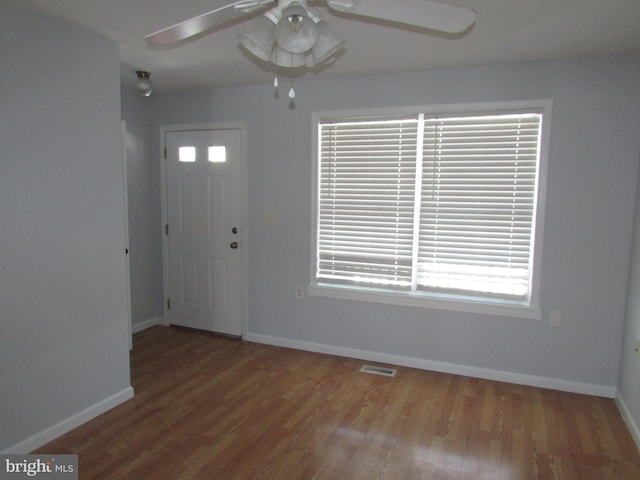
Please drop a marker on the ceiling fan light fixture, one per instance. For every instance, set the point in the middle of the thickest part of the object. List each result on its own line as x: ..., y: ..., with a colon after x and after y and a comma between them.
x: 328, y: 43
x: 143, y: 86
x: 296, y: 32
x: 282, y: 58
x: 259, y: 39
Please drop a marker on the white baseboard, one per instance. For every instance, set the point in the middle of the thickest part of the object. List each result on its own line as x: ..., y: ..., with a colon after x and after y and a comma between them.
x: 68, y: 424
x: 424, y: 364
x: 152, y: 322
x: 628, y: 418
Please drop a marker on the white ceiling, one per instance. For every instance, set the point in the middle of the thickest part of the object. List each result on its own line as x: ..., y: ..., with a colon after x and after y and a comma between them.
x: 505, y: 31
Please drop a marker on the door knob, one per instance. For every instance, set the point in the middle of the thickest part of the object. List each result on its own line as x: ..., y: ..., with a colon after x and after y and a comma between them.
x: 234, y: 245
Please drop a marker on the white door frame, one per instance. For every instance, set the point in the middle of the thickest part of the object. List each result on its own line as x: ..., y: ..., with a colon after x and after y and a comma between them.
x: 242, y: 126
x: 123, y: 123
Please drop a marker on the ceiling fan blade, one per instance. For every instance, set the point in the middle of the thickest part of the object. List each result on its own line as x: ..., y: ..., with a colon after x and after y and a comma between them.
x: 420, y: 13
x: 206, y: 21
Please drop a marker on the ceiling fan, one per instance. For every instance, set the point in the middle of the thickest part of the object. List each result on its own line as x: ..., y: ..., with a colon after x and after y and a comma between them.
x: 291, y: 34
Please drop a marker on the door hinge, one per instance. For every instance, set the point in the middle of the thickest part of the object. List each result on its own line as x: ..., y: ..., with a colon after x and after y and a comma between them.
x: 166, y: 229
x: 165, y: 152
x: 168, y: 304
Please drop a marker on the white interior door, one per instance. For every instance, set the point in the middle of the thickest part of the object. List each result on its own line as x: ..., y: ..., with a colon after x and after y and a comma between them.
x: 204, y: 209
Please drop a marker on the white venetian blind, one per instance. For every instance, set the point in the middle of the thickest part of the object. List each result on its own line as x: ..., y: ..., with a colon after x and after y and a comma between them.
x: 366, y: 201
x: 477, y: 204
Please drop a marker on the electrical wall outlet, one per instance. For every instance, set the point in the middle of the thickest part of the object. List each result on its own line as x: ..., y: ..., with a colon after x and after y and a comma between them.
x: 554, y: 318
x: 299, y: 292
x: 637, y: 348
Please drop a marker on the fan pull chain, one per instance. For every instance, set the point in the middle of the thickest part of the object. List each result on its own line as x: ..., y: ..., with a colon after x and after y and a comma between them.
x: 276, y: 83
x: 292, y: 92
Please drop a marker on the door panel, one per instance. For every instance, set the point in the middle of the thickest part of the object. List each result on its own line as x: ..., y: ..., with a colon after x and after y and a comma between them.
x: 218, y: 271
x: 204, y: 185
x: 218, y: 207
x: 188, y: 206
x: 189, y: 274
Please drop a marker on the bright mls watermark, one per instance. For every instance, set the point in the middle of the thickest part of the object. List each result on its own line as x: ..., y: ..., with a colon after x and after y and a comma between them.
x: 52, y: 467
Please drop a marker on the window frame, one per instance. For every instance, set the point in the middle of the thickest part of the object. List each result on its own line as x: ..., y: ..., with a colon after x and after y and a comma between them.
x: 442, y: 301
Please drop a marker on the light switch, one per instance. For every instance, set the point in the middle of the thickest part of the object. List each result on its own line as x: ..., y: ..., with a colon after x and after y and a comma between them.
x: 270, y: 216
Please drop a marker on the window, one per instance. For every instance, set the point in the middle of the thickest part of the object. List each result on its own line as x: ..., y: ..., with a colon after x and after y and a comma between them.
x: 187, y: 154
x: 217, y: 154
x: 436, y: 207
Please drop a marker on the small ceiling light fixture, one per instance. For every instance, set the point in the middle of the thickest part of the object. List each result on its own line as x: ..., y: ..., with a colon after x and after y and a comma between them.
x: 143, y: 85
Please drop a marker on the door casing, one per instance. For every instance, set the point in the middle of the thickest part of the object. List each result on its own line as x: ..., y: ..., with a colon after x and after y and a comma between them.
x: 242, y: 127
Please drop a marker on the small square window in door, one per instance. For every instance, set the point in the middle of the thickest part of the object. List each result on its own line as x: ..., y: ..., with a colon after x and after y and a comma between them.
x: 187, y: 154
x: 217, y: 154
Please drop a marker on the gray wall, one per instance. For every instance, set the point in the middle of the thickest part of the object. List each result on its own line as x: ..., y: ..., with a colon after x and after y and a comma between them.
x: 593, y: 168
x: 629, y: 383
x: 64, y: 345
x: 145, y: 258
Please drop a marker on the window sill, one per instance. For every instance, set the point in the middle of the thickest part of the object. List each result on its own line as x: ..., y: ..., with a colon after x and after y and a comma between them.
x: 457, y: 304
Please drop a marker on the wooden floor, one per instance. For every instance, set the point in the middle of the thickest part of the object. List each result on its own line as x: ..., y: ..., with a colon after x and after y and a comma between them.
x: 210, y: 407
